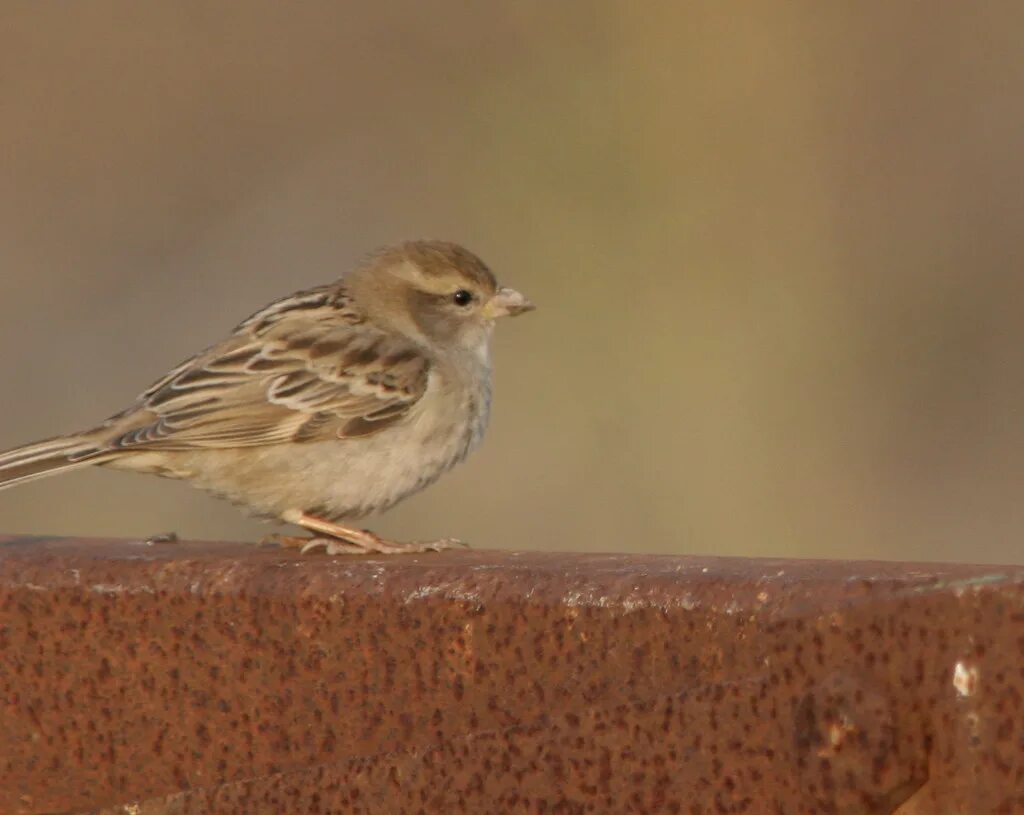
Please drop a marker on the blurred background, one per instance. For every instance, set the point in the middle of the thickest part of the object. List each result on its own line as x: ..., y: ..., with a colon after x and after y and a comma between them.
x: 777, y: 254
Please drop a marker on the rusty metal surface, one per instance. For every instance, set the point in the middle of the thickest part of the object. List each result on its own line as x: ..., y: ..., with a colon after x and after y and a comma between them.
x: 222, y: 678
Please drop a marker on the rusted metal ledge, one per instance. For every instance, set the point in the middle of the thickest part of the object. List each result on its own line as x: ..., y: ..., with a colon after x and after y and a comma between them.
x: 223, y: 678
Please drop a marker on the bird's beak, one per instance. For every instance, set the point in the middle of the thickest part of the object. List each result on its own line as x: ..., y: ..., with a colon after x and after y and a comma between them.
x: 507, y: 303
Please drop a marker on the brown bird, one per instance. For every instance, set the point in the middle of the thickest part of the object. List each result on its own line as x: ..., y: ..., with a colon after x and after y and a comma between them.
x: 322, y: 407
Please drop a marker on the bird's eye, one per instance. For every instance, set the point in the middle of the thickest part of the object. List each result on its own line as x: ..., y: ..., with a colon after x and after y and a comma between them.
x: 462, y: 297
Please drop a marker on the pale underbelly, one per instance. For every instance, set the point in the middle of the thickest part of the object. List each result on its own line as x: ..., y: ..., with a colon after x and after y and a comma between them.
x: 334, y: 479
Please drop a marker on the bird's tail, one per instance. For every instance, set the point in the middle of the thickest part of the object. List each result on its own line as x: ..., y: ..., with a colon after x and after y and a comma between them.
x: 23, y: 464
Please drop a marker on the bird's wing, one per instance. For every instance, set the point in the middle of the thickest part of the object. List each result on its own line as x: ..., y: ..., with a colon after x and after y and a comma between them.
x: 305, y: 368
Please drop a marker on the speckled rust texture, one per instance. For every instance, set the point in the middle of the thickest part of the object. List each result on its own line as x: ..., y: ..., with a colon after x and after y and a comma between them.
x: 221, y: 678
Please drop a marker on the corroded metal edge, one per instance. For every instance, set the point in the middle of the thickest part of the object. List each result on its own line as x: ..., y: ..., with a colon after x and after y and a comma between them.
x: 202, y: 678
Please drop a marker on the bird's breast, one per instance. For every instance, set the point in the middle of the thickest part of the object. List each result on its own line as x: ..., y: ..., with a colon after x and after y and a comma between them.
x: 377, y: 471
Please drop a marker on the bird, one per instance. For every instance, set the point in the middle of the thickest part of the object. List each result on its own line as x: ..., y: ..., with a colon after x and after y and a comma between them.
x: 324, y: 406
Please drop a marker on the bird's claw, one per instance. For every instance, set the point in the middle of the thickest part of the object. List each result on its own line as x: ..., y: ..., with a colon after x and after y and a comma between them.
x: 378, y: 546
x: 163, y: 537
x: 332, y: 546
x: 445, y: 543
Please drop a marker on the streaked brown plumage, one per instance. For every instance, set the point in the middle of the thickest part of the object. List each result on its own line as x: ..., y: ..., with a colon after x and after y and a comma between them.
x: 325, y: 405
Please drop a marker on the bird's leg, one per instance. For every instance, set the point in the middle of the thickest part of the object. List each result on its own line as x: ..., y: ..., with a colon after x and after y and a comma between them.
x: 337, y: 539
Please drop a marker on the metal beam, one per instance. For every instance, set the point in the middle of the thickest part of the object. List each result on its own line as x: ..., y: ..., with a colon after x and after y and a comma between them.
x: 227, y: 678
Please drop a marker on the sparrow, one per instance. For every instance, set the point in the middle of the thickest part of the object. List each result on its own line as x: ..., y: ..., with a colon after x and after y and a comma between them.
x: 322, y: 407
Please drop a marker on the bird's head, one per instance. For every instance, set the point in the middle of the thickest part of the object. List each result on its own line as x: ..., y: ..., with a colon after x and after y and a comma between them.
x: 437, y: 293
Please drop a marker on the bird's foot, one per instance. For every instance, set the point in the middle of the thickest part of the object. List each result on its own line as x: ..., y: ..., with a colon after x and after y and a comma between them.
x: 333, y: 546
x: 163, y: 537
x: 336, y: 539
x: 373, y: 544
